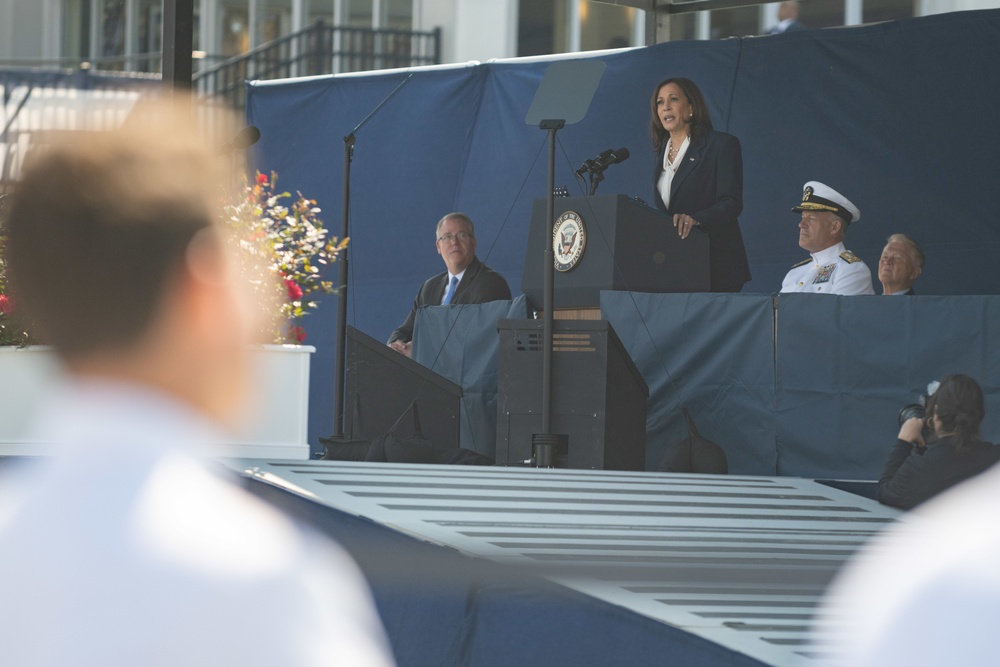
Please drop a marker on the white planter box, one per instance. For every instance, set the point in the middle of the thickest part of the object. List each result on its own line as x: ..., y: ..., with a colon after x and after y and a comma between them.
x: 26, y: 374
x: 277, y: 414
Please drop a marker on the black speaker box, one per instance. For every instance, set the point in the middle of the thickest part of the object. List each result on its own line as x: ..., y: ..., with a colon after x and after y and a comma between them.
x: 382, y: 384
x: 598, y: 396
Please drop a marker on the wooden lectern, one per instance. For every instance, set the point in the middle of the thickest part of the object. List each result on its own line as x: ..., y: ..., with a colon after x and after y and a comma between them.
x: 628, y: 246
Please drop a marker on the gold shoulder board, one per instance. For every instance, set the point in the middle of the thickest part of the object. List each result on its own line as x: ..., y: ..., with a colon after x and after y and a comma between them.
x: 849, y: 257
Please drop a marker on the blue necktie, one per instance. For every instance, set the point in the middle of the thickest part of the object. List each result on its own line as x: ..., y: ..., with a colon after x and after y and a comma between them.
x: 451, y: 291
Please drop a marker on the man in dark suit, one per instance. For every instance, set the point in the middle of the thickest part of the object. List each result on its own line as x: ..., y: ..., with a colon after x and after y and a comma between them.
x: 788, y: 18
x: 467, y: 280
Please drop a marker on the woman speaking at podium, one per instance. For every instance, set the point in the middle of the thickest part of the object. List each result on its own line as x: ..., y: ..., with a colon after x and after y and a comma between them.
x: 698, y: 178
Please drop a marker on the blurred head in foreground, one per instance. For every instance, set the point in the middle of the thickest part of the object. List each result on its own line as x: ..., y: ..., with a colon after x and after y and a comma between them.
x: 116, y: 256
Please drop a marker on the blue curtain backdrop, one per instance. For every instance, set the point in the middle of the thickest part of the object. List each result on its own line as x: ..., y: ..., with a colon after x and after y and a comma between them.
x: 899, y: 116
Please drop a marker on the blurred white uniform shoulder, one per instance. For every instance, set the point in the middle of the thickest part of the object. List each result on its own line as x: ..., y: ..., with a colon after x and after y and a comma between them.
x: 924, y: 593
x: 126, y: 549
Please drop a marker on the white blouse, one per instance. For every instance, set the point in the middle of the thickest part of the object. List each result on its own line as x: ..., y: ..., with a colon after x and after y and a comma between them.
x: 669, y: 168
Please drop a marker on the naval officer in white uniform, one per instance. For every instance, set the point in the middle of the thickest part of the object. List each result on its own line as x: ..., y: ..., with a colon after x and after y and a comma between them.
x: 831, y: 269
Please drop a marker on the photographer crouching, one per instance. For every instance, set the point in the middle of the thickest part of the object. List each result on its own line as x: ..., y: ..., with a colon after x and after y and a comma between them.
x: 940, y: 450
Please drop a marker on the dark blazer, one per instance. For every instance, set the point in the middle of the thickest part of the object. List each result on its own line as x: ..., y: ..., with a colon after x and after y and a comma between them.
x: 708, y: 186
x: 792, y: 27
x: 913, y: 475
x: 479, y: 285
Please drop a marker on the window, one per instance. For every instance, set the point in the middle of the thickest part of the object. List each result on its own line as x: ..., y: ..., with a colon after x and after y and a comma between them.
x: 605, y: 26
x: 544, y: 26
x: 536, y: 27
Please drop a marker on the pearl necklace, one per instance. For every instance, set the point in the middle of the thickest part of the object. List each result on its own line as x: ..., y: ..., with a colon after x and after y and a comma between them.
x: 672, y: 152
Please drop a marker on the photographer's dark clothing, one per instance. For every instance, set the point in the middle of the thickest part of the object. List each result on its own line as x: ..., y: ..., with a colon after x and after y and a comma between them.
x: 913, y: 475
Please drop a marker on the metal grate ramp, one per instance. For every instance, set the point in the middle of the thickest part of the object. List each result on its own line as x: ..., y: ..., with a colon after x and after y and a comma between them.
x: 741, y: 561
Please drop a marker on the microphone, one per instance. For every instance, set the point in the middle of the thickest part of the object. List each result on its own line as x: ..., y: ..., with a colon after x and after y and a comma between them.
x: 588, y: 165
x: 610, y: 157
x: 603, y: 161
x: 244, y: 139
x: 594, y: 165
x: 604, y: 156
x: 619, y: 155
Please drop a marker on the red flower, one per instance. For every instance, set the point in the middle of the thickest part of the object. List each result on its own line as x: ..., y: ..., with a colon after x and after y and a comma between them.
x: 297, y: 333
x: 6, y: 305
x: 261, y: 178
x: 294, y: 291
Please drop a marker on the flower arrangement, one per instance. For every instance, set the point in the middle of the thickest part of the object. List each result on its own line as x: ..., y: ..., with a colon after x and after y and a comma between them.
x: 285, y: 251
x: 12, y: 332
x: 283, y: 248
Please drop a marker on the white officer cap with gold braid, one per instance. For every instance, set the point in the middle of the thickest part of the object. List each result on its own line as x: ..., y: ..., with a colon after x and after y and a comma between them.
x: 819, y: 197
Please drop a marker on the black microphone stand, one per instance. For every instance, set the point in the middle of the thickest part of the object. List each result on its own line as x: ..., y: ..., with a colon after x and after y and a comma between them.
x: 545, y: 445
x: 340, y: 379
x: 596, y: 176
x: 563, y: 98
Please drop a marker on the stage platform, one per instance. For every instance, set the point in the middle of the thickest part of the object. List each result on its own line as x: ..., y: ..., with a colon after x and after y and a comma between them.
x: 737, y: 561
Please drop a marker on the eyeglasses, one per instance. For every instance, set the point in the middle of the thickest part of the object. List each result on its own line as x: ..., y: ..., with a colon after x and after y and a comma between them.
x: 461, y: 237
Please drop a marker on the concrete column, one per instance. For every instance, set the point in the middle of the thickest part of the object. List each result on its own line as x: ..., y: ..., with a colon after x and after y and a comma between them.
x: 6, y: 33
x: 703, y: 25
x: 96, y: 11
x: 252, y: 24
x: 52, y: 27
x: 512, y: 21
x: 853, y: 12
x: 339, y: 19
x: 209, y: 31
x: 300, y: 10
x: 573, y: 26
x: 657, y: 26
x: 300, y: 14
x: 131, y: 28
x: 768, y: 16
x: 471, y: 29
x: 638, y: 28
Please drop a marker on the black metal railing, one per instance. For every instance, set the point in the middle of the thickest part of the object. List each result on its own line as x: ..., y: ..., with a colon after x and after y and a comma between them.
x: 319, y: 49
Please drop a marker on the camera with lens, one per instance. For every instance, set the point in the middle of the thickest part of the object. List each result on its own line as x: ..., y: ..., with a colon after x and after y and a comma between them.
x: 913, y: 411
x: 918, y: 410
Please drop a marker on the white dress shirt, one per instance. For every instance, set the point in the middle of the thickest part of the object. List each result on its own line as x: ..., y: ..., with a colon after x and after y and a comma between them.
x: 125, y: 549
x: 831, y: 271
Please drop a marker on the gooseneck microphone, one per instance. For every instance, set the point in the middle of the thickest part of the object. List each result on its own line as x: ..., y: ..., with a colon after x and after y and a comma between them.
x: 586, y: 167
x: 614, y: 157
x: 597, y: 166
